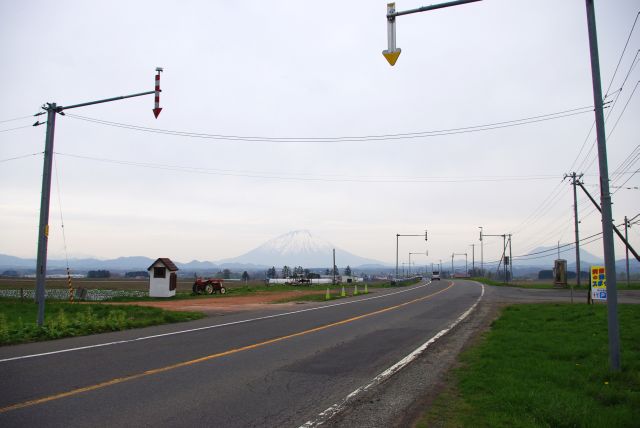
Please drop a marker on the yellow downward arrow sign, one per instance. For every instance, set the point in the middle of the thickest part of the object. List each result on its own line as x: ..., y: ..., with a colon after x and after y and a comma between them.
x: 392, y: 56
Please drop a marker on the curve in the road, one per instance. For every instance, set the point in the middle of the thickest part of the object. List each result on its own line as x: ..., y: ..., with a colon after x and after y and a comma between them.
x: 217, y: 355
x: 337, y: 408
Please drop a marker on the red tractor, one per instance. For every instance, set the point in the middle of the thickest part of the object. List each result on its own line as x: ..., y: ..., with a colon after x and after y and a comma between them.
x: 208, y: 286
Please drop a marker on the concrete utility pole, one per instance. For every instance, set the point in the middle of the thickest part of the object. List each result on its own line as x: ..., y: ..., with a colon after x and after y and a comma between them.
x: 473, y: 258
x: 481, y: 253
x: 575, y: 178
x: 43, y: 228
x: 504, y: 252
x: 626, y: 236
x: 333, y: 269
x: 510, y: 261
x: 605, y: 195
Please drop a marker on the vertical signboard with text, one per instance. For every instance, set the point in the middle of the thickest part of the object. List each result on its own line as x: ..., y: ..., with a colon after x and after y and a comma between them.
x: 598, y: 283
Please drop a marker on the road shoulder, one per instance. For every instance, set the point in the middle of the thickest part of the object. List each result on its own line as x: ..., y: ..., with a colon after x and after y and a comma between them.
x: 403, y: 398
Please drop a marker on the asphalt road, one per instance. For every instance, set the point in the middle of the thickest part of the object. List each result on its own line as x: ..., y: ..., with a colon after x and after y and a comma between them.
x: 278, y: 367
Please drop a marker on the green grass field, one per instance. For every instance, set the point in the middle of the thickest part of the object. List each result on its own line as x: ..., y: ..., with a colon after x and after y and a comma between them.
x: 18, y: 319
x: 545, y: 365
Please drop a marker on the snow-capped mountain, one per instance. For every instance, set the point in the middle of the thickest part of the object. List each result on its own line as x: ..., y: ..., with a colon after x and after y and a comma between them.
x: 299, y: 248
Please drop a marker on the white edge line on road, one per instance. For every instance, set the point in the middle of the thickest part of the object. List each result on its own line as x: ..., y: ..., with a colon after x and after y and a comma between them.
x: 337, y: 408
x: 191, y: 330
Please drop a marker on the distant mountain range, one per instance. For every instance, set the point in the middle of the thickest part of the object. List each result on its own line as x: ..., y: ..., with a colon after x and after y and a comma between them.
x: 301, y: 248
x: 296, y: 248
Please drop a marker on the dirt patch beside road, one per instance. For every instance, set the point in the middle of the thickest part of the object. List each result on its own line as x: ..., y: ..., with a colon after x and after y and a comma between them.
x: 257, y: 300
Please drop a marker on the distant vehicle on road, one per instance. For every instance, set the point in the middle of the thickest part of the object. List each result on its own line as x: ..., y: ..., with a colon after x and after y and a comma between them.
x: 435, y: 275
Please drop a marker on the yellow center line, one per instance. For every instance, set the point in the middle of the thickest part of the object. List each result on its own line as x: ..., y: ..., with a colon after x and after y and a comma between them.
x: 209, y: 357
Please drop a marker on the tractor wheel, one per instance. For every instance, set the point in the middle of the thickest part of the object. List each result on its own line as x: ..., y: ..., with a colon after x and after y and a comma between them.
x: 223, y: 290
x: 208, y: 289
x: 195, y: 289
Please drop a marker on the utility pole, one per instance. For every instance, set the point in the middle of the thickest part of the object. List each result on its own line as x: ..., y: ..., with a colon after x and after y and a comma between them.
x: 333, y: 269
x: 510, y: 261
x: 452, y: 264
x: 504, y: 252
x: 466, y: 264
x: 481, y: 253
x: 605, y: 195
x: 575, y: 178
x: 43, y: 228
x: 626, y: 236
x: 473, y: 259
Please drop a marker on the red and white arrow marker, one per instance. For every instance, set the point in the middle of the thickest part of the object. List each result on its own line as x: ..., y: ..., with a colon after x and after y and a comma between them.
x: 157, y: 109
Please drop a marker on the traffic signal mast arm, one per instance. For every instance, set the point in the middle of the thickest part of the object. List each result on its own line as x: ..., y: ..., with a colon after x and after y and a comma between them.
x: 392, y: 52
x: 428, y: 8
x: 60, y: 108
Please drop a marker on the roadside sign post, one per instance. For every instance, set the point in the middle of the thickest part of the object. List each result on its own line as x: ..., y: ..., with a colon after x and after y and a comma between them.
x: 52, y: 110
x: 598, y: 283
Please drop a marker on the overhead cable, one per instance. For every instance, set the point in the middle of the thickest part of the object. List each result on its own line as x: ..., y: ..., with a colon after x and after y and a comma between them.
x: 381, y: 137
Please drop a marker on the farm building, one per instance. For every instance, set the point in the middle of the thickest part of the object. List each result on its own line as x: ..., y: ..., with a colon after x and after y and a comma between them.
x: 162, y: 278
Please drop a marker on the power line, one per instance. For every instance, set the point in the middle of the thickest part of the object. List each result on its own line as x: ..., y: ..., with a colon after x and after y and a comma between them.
x: 381, y: 137
x: 13, y: 129
x: 298, y: 177
x: 623, y: 51
x: 20, y: 157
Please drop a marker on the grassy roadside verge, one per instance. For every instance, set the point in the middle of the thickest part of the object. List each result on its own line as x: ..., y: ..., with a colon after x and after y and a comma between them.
x: 622, y: 285
x: 545, y: 365
x: 18, y: 319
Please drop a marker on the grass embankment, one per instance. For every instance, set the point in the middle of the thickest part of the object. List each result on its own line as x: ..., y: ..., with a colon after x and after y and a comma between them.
x: 545, y: 365
x: 18, y: 319
x: 621, y: 284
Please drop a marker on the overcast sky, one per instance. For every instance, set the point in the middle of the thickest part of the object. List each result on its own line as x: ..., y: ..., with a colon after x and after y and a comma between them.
x: 309, y: 69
